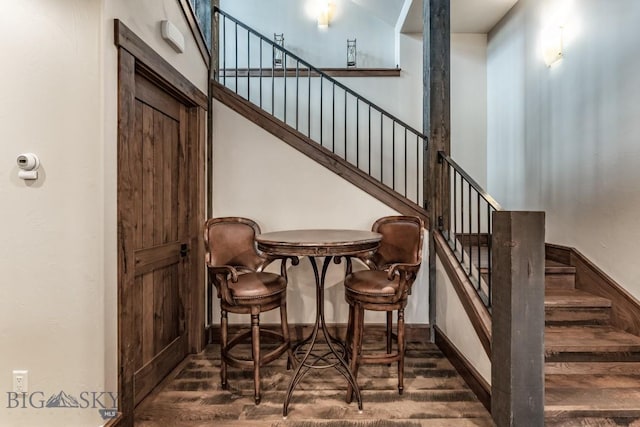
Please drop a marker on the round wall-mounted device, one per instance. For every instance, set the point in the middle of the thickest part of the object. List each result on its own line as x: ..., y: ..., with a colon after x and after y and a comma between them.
x: 29, y: 163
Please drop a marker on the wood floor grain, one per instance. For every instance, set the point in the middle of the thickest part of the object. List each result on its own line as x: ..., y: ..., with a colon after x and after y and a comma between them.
x: 435, y: 395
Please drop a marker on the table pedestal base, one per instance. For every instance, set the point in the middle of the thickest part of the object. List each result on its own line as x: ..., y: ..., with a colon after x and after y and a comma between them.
x: 332, y: 357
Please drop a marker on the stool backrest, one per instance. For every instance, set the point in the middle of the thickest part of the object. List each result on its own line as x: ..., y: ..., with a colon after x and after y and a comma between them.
x: 231, y: 241
x: 402, y: 238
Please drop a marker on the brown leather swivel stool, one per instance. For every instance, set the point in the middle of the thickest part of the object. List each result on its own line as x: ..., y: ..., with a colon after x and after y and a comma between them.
x: 386, y: 286
x: 236, y: 270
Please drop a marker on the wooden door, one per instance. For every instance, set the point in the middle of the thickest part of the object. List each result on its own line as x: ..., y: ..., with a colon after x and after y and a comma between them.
x: 162, y: 233
x: 161, y: 199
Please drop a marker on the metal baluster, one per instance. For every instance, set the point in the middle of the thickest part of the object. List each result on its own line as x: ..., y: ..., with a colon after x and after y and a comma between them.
x: 345, y: 125
x: 321, y: 93
x: 297, y: 87
x: 357, y: 132
x: 273, y: 82
x: 489, y: 250
x: 224, y: 49
x: 461, y: 217
x: 284, y: 83
x: 470, y: 251
x: 381, y: 148
x: 369, y: 144
x: 393, y: 155
x: 478, y: 231
x: 333, y: 118
x: 417, y: 169
x: 261, y: 72
x: 248, y: 66
x: 405, y: 162
x: 455, y: 207
x: 446, y: 165
x: 309, y: 101
x: 236, y: 64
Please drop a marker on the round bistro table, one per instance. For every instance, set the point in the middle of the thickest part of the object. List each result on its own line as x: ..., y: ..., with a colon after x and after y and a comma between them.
x: 330, y: 244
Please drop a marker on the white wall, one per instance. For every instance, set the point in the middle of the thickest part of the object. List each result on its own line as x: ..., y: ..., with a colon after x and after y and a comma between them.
x: 565, y: 139
x: 469, y: 103
x: 258, y: 176
x: 454, y: 322
x: 51, y: 256
x: 58, y: 257
x: 322, y: 47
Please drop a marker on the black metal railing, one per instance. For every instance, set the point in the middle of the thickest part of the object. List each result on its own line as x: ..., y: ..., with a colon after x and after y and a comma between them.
x: 321, y: 108
x: 468, y: 226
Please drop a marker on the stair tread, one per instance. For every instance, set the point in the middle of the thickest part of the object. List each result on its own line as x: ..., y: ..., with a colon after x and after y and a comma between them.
x: 589, y: 369
x: 592, y: 401
x: 573, y: 298
x: 576, y: 381
x: 597, y: 338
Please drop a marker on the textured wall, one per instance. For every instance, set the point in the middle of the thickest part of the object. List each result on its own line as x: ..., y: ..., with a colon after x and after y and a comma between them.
x: 564, y: 139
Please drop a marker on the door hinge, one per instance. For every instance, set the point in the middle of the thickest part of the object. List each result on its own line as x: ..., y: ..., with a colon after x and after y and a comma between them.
x: 440, y: 223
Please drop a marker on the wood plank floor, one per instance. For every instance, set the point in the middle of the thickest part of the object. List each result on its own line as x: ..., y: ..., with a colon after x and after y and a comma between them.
x: 435, y: 395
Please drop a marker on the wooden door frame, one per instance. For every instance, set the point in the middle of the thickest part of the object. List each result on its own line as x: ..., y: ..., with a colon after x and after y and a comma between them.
x: 136, y: 57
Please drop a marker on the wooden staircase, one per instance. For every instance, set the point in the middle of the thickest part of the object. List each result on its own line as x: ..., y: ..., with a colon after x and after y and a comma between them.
x: 592, y: 369
x: 592, y: 366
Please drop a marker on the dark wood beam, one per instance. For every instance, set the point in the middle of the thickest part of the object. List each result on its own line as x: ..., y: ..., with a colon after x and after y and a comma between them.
x: 436, y: 120
x: 517, y: 349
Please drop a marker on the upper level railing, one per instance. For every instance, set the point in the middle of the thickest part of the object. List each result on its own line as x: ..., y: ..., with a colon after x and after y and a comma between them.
x: 469, y: 227
x: 321, y: 108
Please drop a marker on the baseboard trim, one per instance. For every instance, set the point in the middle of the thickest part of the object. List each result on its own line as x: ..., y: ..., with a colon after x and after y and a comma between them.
x: 471, y: 376
x: 414, y: 332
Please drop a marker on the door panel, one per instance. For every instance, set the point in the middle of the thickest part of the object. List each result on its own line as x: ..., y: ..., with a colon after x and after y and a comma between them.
x: 161, y: 235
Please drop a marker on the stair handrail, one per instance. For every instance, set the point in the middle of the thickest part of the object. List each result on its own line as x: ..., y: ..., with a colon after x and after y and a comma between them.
x: 322, y: 73
x: 468, y: 229
x: 442, y: 156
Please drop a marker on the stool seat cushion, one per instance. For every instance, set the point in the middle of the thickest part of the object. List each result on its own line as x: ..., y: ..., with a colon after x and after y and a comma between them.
x: 257, y: 285
x: 371, y: 283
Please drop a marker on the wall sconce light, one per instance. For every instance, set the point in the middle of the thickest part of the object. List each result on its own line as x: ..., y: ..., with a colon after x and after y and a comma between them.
x: 277, y: 52
x: 351, y: 53
x: 552, y: 45
x: 325, y: 11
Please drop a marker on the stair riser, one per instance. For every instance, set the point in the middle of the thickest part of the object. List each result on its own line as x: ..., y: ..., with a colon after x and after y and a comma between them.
x: 560, y: 281
x: 577, y: 316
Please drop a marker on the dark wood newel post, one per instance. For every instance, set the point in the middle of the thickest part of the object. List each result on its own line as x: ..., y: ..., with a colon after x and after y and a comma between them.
x: 517, y: 349
x: 436, y: 122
